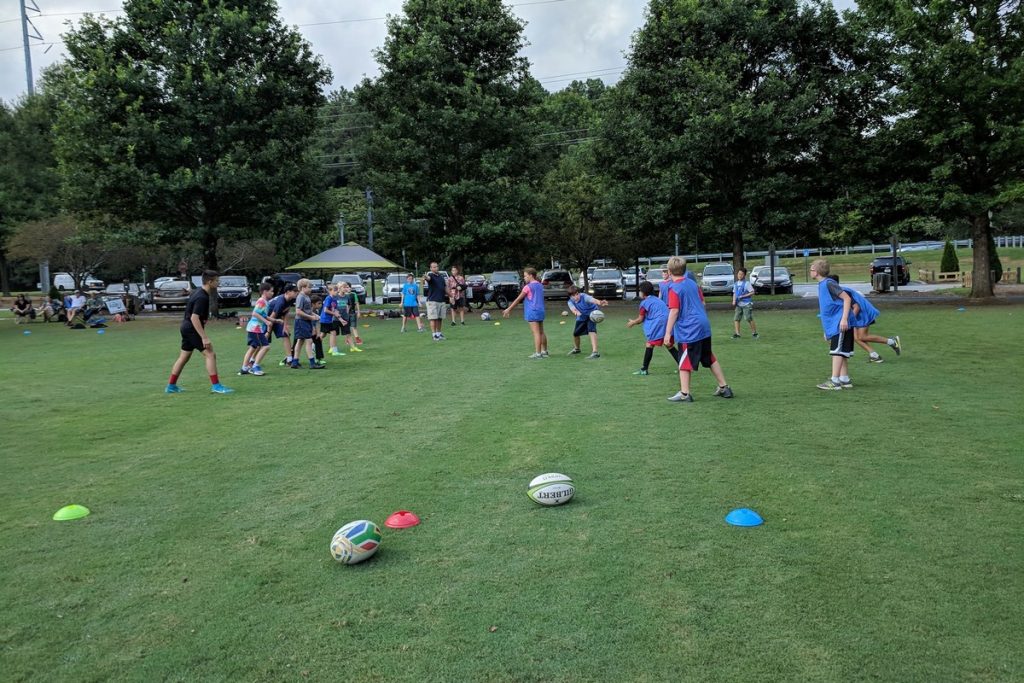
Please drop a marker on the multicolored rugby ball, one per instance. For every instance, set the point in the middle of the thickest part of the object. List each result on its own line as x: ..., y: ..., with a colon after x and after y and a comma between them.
x: 551, y: 489
x: 597, y: 316
x: 355, y: 542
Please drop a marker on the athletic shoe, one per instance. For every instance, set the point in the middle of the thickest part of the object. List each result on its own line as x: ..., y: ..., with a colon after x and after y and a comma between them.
x: 295, y: 365
x: 724, y: 392
x: 440, y: 335
x: 317, y: 366
x: 221, y: 389
x: 535, y: 356
x: 594, y: 355
x: 257, y: 370
x: 641, y: 371
x: 848, y: 384
x: 755, y: 336
x: 830, y: 386
x: 341, y: 353
x: 463, y: 322
x: 173, y: 389
x: 573, y: 352
x: 283, y: 363
x: 421, y: 330
x: 680, y: 397
x: 545, y: 354
x: 735, y: 336
x: 402, y: 331
x: 875, y: 359
x: 453, y: 323
x: 897, y: 347
x: 356, y: 349
x: 243, y: 371
x: 359, y: 340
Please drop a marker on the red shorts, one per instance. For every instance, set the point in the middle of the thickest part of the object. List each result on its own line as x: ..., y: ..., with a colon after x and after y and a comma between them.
x: 656, y: 342
x: 695, y: 354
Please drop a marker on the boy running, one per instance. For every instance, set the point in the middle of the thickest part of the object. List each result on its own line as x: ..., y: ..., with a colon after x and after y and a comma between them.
x: 864, y: 316
x: 654, y: 317
x: 582, y: 305
x: 278, y: 309
x: 533, y: 311
x: 193, y: 335
x: 257, y: 333
x: 304, y: 322
x: 689, y: 326
x: 743, y: 302
x: 835, y: 306
x: 411, y: 302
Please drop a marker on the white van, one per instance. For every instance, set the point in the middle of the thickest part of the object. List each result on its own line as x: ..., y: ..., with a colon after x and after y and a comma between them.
x: 64, y: 281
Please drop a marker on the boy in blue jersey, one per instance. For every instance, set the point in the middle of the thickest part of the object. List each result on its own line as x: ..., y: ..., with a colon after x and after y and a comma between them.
x: 533, y: 311
x: 329, y: 320
x: 835, y: 306
x: 689, y: 327
x: 864, y: 316
x: 654, y: 317
x: 582, y: 305
x: 257, y: 333
x: 411, y: 302
x: 278, y: 309
x: 743, y: 302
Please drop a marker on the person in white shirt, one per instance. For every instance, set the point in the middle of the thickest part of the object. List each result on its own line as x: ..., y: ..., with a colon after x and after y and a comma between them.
x: 77, y: 304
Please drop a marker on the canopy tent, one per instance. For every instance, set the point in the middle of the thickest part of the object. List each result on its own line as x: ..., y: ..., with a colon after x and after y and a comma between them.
x: 349, y: 256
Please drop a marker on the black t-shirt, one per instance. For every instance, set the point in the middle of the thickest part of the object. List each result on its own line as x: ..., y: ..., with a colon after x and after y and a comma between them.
x: 435, y: 287
x: 199, y: 304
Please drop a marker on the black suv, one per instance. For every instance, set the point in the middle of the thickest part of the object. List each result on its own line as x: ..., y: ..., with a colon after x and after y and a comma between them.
x: 884, y: 265
x: 506, y: 286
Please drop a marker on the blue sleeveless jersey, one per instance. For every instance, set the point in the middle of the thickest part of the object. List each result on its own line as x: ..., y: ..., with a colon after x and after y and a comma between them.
x: 692, y: 323
x: 533, y: 305
x: 831, y: 307
x: 655, y: 318
x: 868, y: 313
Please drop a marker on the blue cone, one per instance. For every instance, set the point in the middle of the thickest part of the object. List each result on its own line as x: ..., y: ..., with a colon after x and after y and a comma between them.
x: 744, y: 517
x: 101, y: 331
x: 27, y: 332
x: 961, y: 309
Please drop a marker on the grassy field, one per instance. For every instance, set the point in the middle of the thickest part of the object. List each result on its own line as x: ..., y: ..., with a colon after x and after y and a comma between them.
x: 891, y: 548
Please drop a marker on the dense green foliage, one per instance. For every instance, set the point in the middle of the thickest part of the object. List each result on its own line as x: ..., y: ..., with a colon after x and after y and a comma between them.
x: 889, y: 550
x: 950, y: 263
x: 195, y: 117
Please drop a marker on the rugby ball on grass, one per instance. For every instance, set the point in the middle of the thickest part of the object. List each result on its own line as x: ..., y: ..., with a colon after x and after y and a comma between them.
x: 597, y: 316
x: 355, y: 542
x: 551, y: 489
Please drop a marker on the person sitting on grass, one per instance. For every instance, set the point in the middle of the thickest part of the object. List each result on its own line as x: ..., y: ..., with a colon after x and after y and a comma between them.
x: 23, y: 310
x: 654, y: 317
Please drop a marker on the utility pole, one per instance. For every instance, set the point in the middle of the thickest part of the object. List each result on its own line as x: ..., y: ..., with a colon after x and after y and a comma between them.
x: 369, y: 216
x: 341, y: 228
x: 26, y: 36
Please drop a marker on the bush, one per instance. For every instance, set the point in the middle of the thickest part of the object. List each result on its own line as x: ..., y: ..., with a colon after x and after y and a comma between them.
x: 995, y: 265
x: 950, y: 262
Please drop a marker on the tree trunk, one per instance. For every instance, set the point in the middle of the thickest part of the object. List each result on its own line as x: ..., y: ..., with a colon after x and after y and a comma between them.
x: 981, y: 279
x: 210, y: 263
x: 5, y: 280
x: 737, y: 248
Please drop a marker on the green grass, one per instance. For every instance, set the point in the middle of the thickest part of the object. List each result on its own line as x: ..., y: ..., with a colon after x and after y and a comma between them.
x: 891, y: 549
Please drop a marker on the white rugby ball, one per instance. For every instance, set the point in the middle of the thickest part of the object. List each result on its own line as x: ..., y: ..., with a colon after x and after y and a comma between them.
x: 551, y: 489
x: 597, y: 316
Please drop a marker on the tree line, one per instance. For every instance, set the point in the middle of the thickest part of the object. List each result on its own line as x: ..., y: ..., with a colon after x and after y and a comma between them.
x: 201, y: 132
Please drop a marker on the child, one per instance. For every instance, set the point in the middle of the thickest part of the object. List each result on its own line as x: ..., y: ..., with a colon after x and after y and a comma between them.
x: 193, y: 335
x: 743, y: 302
x: 689, y: 326
x: 257, y: 333
x: 582, y: 305
x: 278, y: 309
x: 411, y: 302
x: 350, y: 313
x: 654, y: 317
x: 834, y: 305
x: 864, y: 315
x: 329, y: 320
x: 533, y: 311
x: 304, y: 321
x: 318, y: 332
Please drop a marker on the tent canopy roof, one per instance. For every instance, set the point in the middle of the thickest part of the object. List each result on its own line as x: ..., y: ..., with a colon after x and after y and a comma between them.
x: 349, y: 256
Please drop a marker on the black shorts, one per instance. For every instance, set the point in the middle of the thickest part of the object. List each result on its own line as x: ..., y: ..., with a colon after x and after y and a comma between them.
x: 584, y: 327
x: 459, y: 303
x: 694, y: 354
x: 841, y: 344
x: 191, y: 341
x: 345, y: 328
x: 280, y: 330
x: 411, y: 311
x: 327, y: 328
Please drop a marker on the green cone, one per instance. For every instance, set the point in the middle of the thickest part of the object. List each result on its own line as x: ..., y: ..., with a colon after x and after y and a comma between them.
x: 70, y: 512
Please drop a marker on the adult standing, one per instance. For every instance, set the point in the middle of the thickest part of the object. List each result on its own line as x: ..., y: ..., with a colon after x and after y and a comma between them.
x: 457, y: 294
x: 434, y: 285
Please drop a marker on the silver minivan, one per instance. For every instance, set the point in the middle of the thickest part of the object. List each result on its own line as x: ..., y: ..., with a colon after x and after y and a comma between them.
x: 717, y: 278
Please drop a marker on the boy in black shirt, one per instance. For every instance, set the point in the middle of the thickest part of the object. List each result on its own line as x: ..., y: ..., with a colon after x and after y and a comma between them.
x: 193, y: 335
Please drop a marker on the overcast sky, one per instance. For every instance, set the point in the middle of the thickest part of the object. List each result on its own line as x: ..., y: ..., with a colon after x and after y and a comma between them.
x: 567, y: 38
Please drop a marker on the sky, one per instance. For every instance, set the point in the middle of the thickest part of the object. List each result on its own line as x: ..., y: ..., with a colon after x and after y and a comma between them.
x: 567, y: 39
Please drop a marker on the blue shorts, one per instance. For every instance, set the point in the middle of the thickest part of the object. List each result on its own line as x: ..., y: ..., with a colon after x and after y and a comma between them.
x: 280, y: 330
x: 257, y: 339
x: 303, y: 329
x: 535, y: 318
x: 585, y: 326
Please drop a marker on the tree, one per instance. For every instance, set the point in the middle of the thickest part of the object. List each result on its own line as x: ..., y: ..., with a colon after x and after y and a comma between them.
x: 29, y: 184
x: 197, y: 117
x: 958, y: 109
x: 950, y: 263
x: 449, y: 155
x: 68, y: 245
x: 729, y: 117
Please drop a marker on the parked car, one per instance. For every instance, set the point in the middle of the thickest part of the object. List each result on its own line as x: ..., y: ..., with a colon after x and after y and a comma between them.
x: 607, y: 283
x: 172, y: 293
x: 279, y: 280
x: 761, y: 280
x: 505, y: 286
x: 64, y: 281
x: 234, y: 290
x: 556, y: 284
x: 392, y: 292
x: 357, y: 285
x: 652, y: 275
x: 629, y: 281
x: 476, y: 289
x: 589, y: 275
x: 883, y: 264
x: 160, y: 280
x: 134, y: 294
x: 717, y: 279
